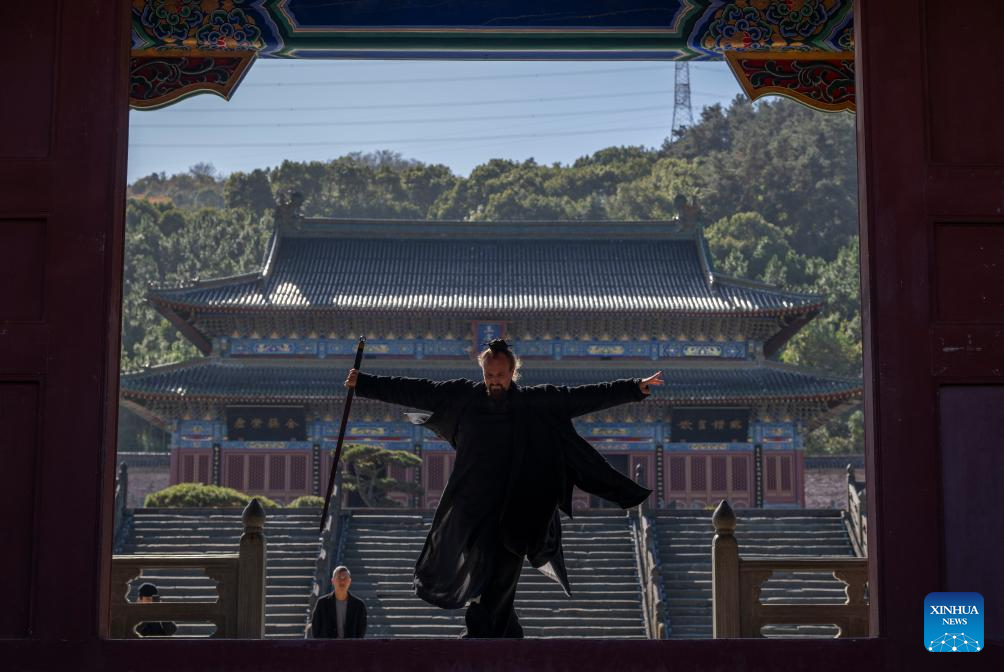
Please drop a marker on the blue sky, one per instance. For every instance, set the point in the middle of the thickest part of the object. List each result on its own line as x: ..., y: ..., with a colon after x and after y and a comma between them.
x: 459, y: 113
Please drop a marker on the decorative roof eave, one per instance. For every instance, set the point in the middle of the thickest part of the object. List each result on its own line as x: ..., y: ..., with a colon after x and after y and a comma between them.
x: 821, y: 80
x: 159, y: 77
x: 144, y: 412
x: 777, y: 341
x: 233, y: 309
x: 200, y: 340
x: 833, y: 411
x: 840, y: 396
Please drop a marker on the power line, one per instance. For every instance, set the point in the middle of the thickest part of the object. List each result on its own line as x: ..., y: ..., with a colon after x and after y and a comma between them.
x: 233, y: 109
x: 377, y: 122
x: 452, y: 142
x: 403, y: 106
x: 392, y: 141
x: 472, y: 78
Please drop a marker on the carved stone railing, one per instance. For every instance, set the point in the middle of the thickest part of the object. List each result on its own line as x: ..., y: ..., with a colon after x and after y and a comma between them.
x: 329, y: 545
x: 736, y: 584
x: 857, y: 514
x: 238, y: 611
x: 657, y: 624
x: 647, y: 554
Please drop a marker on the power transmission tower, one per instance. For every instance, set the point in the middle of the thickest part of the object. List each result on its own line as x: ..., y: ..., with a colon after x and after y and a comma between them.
x: 683, y: 114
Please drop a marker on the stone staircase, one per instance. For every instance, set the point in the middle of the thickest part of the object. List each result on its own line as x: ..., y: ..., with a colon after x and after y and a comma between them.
x: 684, y: 543
x: 291, y: 539
x: 381, y: 547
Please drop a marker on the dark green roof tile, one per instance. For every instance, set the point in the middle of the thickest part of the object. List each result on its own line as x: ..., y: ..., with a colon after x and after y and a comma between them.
x: 483, y: 269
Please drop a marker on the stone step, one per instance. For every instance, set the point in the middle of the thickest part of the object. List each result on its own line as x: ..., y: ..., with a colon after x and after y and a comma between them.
x: 591, y: 554
x: 452, y: 631
x: 554, y: 596
x: 704, y: 542
x: 599, y: 552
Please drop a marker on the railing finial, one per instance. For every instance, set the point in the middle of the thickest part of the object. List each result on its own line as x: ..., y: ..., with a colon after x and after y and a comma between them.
x: 724, y: 518
x: 253, y: 515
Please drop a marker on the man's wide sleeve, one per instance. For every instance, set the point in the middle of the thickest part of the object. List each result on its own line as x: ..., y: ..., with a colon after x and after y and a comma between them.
x: 572, y: 402
x: 411, y: 392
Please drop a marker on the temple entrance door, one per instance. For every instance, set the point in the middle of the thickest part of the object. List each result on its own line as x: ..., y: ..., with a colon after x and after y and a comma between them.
x: 934, y: 226
x: 620, y: 463
x: 62, y: 204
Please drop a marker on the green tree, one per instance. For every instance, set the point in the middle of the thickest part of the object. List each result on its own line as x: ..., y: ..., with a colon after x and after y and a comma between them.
x: 748, y: 246
x: 365, y: 471
x: 250, y: 191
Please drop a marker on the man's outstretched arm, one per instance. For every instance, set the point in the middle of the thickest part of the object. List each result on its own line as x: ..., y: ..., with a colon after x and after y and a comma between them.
x: 412, y: 392
x: 575, y: 401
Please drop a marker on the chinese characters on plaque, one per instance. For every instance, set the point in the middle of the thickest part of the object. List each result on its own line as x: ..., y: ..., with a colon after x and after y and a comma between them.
x: 710, y: 425
x: 266, y: 423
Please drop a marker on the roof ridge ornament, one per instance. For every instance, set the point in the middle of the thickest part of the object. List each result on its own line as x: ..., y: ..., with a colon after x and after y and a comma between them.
x: 691, y: 219
x: 287, y: 209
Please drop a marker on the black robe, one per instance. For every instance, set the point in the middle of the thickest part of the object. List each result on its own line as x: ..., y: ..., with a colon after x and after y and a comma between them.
x: 517, y: 503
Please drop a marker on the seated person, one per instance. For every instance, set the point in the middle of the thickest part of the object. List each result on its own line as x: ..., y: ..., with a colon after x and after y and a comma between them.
x: 148, y: 594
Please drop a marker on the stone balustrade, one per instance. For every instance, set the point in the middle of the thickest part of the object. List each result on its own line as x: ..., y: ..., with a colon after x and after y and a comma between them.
x: 736, y: 584
x: 857, y: 513
x: 239, y: 610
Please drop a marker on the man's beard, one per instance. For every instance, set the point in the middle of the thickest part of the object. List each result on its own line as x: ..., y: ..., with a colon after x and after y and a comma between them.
x: 496, y: 392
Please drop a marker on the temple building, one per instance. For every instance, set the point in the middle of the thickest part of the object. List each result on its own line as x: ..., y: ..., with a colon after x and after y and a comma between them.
x: 581, y: 302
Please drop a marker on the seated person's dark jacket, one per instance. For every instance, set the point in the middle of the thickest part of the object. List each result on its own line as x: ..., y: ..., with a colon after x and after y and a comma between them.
x: 548, y: 459
x: 156, y: 629
x: 324, y: 622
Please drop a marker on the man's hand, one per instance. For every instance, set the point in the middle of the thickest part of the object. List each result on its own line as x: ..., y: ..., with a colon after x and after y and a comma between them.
x: 654, y: 379
x: 350, y: 380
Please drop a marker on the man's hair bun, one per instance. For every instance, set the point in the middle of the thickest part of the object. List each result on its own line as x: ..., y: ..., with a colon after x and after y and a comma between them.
x: 499, y: 345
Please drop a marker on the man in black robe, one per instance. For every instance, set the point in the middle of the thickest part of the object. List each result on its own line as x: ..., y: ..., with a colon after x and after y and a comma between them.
x: 518, y: 457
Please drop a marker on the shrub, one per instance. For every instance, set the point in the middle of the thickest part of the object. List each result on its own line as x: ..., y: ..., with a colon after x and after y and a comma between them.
x: 307, y: 502
x: 199, y: 495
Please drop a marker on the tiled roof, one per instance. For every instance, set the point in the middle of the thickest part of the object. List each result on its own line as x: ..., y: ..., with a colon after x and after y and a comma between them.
x: 264, y: 382
x: 488, y: 270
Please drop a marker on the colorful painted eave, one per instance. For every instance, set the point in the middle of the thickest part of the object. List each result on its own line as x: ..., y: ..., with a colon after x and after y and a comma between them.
x: 177, y: 43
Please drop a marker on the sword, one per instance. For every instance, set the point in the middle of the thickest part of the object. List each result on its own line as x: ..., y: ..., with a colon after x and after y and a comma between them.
x: 341, y: 433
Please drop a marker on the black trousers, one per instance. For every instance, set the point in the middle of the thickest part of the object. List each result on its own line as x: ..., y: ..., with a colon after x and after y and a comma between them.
x: 493, y: 616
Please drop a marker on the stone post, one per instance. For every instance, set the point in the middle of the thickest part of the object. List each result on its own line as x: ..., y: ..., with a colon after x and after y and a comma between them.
x: 121, y: 499
x: 639, y: 478
x: 725, y: 574
x: 251, y: 574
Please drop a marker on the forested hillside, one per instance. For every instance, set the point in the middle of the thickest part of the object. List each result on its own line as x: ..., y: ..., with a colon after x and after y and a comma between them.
x: 775, y: 183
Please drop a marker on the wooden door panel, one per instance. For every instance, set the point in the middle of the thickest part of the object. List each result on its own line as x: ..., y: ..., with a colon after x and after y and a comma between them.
x: 962, y: 69
x: 22, y: 269
x: 932, y: 161
x: 27, y: 62
x: 972, y: 464
x: 19, y: 407
x: 968, y: 266
x: 62, y: 160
